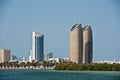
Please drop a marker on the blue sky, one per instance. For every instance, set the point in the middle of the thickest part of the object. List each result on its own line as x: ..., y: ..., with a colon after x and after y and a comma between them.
x: 18, y: 18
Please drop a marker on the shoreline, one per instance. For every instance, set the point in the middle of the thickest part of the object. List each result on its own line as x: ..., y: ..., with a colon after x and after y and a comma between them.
x: 56, y: 70
x: 26, y: 69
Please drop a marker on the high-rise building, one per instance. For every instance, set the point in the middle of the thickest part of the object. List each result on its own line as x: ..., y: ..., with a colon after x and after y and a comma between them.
x: 37, y: 52
x: 87, y: 44
x: 81, y: 44
x: 76, y: 43
x: 48, y: 56
x: 5, y: 55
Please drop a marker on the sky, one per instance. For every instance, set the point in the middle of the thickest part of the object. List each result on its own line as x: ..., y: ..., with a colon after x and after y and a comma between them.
x: 54, y: 18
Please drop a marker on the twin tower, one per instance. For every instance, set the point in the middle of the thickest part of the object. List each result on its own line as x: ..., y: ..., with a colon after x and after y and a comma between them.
x: 81, y: 44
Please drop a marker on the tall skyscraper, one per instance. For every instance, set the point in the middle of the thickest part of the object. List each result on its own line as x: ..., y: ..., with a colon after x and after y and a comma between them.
x: 81, y: 44
x: 5, y: 55
x: 76, y: 42
x: 37, y: 52
x: 87, y: 44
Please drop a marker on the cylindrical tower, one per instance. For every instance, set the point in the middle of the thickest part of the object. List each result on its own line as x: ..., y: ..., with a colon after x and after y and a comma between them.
x: 76, y: 42
x: 87, y: 44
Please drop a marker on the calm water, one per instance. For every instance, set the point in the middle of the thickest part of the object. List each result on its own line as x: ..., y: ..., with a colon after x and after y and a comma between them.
x: 58, y: 75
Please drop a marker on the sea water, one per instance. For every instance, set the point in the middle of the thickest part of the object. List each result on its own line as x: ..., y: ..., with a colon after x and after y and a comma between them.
x: 58, y: 75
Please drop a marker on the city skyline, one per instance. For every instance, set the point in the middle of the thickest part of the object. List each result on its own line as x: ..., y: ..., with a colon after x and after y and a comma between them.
x: 54, y: 19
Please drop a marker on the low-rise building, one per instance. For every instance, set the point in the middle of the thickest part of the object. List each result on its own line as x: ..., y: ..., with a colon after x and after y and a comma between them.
x: 53, y: 60
x: 48, y: 56
x: 14, y: 58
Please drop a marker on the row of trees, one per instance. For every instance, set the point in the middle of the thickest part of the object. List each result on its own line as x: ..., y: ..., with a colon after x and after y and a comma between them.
x: 92, y: 66
x: 63, y: 66
x: 26, y: 64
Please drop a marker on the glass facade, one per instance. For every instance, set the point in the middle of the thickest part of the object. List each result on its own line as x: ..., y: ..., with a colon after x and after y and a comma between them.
x: 39, y: 47
x: 37, y: 52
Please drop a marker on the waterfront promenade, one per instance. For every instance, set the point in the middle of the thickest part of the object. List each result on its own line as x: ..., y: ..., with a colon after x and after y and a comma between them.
x: 24, y: 68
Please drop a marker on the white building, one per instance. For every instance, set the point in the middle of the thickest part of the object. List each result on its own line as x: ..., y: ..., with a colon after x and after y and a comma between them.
x: 108, y: 62
x: 66, y: 59
x: 24, y: 59
x: 37, y: 52
x: 30, y: 56
x: 58, y: 60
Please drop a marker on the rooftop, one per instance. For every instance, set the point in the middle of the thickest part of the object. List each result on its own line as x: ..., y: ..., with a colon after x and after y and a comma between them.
x: 87, y: 27
x: 76, y: 26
